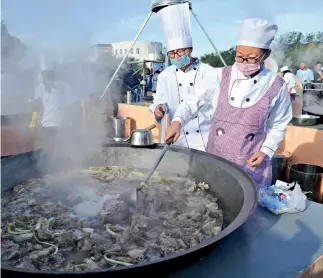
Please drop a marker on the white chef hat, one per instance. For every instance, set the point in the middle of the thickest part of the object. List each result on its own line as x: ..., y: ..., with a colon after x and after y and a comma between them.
x: 284, y: 68
x: 177, y: 26
x: 257, y: 33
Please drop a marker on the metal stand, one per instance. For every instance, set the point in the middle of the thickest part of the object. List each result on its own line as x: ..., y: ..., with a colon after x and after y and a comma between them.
x: 121, y: 63
x: 156, y: 7
x: 210, y: 40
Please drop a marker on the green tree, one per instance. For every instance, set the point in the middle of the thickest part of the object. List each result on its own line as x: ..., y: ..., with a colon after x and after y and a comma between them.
x: 294, y: 47
x: 214, y: 60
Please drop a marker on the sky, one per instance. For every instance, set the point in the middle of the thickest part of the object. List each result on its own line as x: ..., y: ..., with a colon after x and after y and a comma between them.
x: 85, y: 22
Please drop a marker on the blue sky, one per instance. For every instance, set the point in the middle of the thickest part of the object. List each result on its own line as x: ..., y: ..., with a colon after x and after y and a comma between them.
x: 90, y: 21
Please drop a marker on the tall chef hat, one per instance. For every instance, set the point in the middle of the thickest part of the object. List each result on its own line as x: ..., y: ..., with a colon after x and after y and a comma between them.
x: 177, y: 26
x: 257, y: 33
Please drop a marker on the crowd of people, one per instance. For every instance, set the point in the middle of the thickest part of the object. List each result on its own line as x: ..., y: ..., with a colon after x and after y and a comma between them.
x: 304, y: 80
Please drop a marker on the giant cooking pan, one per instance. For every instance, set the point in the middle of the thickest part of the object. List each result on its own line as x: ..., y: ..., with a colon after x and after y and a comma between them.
x: 236, y: 192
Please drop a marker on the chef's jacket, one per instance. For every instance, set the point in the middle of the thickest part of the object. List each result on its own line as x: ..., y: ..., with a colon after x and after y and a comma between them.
x: 175, y: 86
x: 290, y: 80
x: 55, y: 103
x: 244, y: 92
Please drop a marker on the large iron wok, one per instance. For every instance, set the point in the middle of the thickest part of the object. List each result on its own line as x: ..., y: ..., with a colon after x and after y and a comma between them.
x: 236, y: 192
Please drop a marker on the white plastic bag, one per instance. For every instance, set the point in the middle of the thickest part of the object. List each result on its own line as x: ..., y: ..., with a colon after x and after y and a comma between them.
x: 279, y: 199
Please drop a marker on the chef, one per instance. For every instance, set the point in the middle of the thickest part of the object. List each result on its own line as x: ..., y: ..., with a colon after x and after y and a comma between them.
x: 251, y: 105
x: 53, y: 101
x: 290, y: 80
x: 176, y: 83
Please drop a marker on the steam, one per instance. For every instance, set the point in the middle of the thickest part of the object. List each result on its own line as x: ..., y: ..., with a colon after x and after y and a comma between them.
x: 87, y: 75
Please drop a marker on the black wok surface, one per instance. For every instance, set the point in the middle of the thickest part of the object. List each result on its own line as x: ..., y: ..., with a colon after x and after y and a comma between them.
x: 236, y: 192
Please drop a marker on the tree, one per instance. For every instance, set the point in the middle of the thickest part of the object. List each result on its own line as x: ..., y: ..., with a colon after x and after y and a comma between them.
x: 292, y: 48
x: 10, y: 45
x: 215, y: 61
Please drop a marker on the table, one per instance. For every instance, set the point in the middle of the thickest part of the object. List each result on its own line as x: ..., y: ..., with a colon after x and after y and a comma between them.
x: 266, y: 246
x: 320, y: 126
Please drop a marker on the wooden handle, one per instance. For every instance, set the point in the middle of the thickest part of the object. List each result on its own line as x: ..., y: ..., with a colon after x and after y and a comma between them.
x: 170, y: 140
x: 151, y: 127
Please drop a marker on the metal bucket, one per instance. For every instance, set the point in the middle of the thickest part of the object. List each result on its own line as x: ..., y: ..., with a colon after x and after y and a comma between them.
x: 279, y: 166
x: 310, y: 178
x: 121, y: 127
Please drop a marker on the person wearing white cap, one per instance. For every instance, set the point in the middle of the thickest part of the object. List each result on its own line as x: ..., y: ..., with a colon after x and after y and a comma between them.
x: 176, y: 83
x: 251, y: 105
x: 290, y: 79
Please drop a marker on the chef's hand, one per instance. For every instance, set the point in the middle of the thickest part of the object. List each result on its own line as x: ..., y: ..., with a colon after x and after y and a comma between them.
x: 159, y: 111
x: 257, y: 159
x: 173, y: 131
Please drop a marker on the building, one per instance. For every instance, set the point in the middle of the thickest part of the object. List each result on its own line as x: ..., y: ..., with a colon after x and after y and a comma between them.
x: 140, y: 52
x: 103, y: 48
x: 99, y: 50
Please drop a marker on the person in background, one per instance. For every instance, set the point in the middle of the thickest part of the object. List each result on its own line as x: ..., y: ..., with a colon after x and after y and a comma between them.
x: 176, y: 83
x: 53, y: 100
x: 148, y: 80
x: 251, y: 106
x: 155, y: 79
x: 318, y: 73
x: 305, y: 74
x: 130, y: 81
x: 290, y: 79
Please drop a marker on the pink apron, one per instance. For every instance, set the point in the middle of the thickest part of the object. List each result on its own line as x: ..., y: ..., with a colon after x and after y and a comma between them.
x: 237, y: 133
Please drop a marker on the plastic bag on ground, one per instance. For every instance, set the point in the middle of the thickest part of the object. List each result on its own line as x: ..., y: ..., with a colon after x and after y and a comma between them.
x: 280, y: 198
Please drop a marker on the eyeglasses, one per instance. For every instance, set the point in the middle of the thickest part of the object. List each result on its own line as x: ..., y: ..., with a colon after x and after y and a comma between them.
x: 178, y: 52
x: 240, y: 59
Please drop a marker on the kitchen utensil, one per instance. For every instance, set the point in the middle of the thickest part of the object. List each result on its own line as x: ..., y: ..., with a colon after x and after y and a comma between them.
x: 165, y: 122
x: 121, y: 128
x: 140, y: 137
x: 305, y: 120
x: 309, y: 178
x: 134, y: 193
x: 279, y: 166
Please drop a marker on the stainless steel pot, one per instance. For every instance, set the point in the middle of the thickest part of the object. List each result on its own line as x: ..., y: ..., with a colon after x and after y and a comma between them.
x: 140, y: 137
x: 121, y: 127
x: 305, y: 120
x: 279, y: 166
x: 235, y: 190
x: 309, y: 178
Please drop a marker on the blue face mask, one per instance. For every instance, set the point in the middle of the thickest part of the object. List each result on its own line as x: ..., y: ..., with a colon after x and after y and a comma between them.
x: 181, y: 62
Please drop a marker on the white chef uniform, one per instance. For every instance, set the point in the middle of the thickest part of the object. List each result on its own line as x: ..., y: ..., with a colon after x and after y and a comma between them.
x: 245, y: 91
x: 290, y: 79
x: 175, y: 86
x: 55, y: 103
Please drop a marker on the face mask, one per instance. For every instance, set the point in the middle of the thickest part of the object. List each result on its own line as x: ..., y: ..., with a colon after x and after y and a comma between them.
x: 248, y: 69
x: 181, y: 62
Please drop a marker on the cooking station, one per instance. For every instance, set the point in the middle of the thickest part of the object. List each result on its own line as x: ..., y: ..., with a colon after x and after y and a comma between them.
x: 250, y: 242
x: 265, y: 245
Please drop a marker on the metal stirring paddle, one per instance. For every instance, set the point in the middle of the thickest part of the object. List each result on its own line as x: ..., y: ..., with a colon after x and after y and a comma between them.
x: 134, y: 193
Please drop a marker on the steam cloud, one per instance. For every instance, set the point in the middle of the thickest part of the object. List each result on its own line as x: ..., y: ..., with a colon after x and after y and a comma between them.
x: 86, y: 73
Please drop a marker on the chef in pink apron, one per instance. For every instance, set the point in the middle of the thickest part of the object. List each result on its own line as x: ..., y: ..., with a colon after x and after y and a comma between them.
x: 251, y: 105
